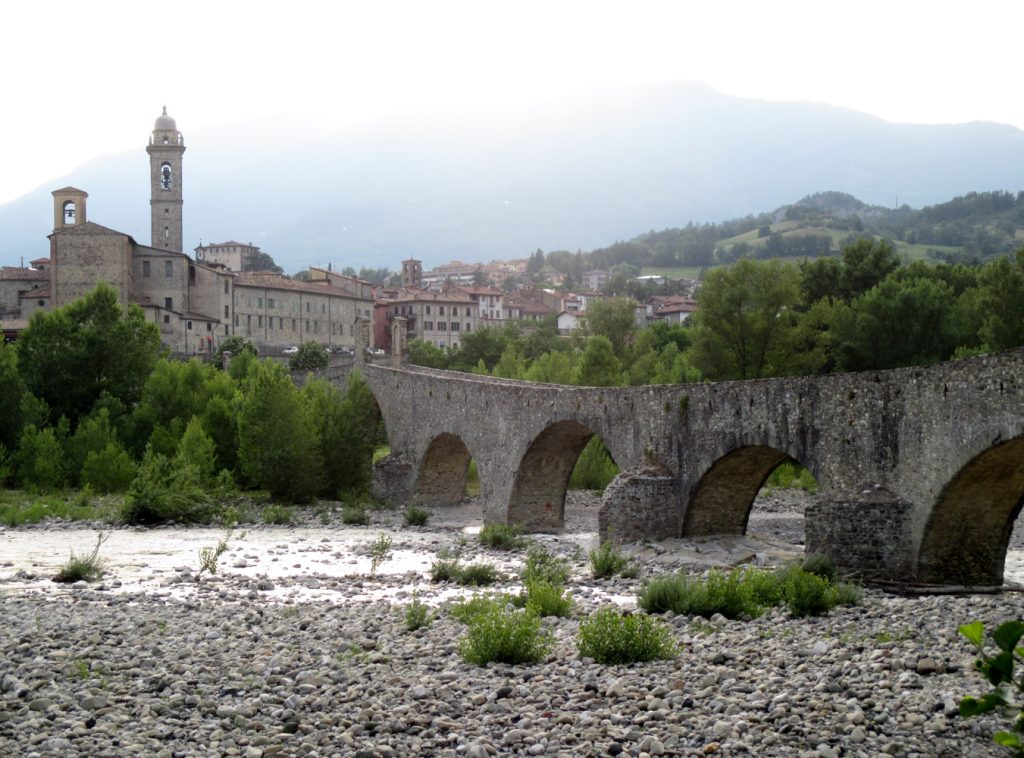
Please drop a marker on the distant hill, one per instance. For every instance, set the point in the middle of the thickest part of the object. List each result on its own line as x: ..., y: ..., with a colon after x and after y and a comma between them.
x: 582, y: 173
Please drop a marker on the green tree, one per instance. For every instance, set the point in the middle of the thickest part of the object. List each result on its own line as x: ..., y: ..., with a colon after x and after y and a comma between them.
x: 197, y: 449
x: 422, y: 353
x: 70, y: 356
x: 11, y: 398
x: 92, y: 436
x: 278, y: 444
x: 485, y: 345
x: 40, y: 461
x: 236, y: 345
x: 615, y: 319
x: 512, y: 364
x: 551, y: 368
x: 745, y: 320
x: 598, y: 366
x: 311, y: 356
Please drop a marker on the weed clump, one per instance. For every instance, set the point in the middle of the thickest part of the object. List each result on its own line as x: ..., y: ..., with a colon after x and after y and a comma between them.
x: 544, y: 567
x: 417, y: 614
x: 502, y: 536
x: 547, y: 598
x: 415, y: 516
x: 497, y: 634
x: 278, y: 515
x: 84, y: 567
x: 612, y: 637
x: 355, y: 515
x: 607, y: 560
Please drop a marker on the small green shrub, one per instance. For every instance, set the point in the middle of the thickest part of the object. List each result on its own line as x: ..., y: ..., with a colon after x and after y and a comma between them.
x: 543, y: 567
x: 845, y: 593
x: 548, y: 599
x: 210, y: 556
x: 820, y: 565
x: 807, y: 594
x: 513, y: 637
x: 278, y: 515
x: 502, y: 536
x: 415, y: 516
x: 611, y: 637
x: 467, y: 610
x: 446, y: 568
x: 380, y: 551
x: 607, y: 560
x: 165, y: 491
x: 311, y: 356
x: 594, y: 469
x: 478, y: 574
x: 87, y: 567
x: 355, y: 515
x: 728, y: 594
x: 417, y: 614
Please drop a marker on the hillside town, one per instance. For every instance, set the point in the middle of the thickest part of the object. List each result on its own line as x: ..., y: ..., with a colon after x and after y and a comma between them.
x: 198, y: 300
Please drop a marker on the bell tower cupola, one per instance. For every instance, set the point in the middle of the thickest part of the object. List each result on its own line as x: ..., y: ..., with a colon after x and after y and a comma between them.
x: 68, y: 207
x: 166, y: 146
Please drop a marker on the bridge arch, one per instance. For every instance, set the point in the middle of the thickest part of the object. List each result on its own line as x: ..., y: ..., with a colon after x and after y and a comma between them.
x: 968, y: 529
x: 441, y: 477
x: 721, y: 501
x: 542, y: 476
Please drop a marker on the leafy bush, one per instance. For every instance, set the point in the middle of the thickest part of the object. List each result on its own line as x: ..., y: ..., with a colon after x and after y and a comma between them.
x: 467, y: 610
x: 311, y: 356
x: 502, y: 536
x: 495, y: 634
x: 607, y: 560
x: 611, y: 637
x: 417, y: 614
x: 163, y: 491
x: 1003, y: 672
x: 446, y: 568
x: 746, y: 593
x: 416, y: 516
x: 478, y: 574
x: 807, y: 594
x: 236, y: 345
x: 594, y: 469
x: 355, y: 515
x: 380, y: 551
x: 544, y: 567
x: 279, y: 515
x: 548, y: 599
x: 108, y: 470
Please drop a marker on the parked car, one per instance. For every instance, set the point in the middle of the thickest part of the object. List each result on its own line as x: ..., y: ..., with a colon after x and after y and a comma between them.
x: 374, y: 351
x: 344, y: 350
x: 292, y: 350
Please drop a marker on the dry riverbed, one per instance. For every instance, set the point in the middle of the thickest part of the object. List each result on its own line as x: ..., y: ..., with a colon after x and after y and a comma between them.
x: 293, y: 648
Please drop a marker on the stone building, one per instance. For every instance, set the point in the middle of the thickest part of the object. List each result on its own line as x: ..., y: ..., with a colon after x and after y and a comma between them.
x: 438, y: 318
x: 194, y: 303
x: 235, y: 256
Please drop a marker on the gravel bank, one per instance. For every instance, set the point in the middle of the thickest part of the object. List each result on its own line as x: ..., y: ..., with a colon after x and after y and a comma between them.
x: 252, y: 662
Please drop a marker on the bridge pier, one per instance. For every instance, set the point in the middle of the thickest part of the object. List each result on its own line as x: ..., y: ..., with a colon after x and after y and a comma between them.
x: 393, y: 480
x: 640, y: 504
x: 867, y: 533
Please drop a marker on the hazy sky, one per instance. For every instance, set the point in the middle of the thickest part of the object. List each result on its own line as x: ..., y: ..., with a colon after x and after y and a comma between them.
x: 82, y: 80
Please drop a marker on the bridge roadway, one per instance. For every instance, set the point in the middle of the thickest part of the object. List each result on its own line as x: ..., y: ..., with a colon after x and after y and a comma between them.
x: 921, y: 470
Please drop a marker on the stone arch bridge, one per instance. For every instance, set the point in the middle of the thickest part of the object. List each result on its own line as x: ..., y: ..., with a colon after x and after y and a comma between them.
x: 921, y: 470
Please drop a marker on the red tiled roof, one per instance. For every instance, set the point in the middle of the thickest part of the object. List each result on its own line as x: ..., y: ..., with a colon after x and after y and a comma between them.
x: 265, y: 280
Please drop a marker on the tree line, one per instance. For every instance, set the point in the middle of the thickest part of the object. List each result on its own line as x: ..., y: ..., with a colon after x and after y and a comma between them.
x: 90, y: 399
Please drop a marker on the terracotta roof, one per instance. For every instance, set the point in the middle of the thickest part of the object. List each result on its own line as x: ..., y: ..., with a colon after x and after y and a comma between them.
x: 425, y: 296
x: 14, y: 273
x: 40, y: 260
x: 265, y: 280
x: 41, y: 292
x: 479, y: 289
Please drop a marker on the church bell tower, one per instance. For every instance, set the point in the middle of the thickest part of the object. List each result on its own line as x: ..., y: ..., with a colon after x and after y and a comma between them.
x: 166, y: 146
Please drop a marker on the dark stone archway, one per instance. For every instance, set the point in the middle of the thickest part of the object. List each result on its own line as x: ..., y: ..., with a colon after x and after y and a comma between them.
x: 721, y: 500
x: 542, y: 478
x: 441, y: 479
x: 968, y: 530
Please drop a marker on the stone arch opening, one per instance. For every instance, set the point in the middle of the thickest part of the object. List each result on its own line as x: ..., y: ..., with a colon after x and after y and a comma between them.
x: 968, y: 531
x: 722, y: 501
x: 541, y: 481
x: 443, y: 472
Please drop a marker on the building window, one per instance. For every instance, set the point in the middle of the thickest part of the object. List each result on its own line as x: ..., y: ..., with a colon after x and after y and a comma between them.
x: 441, y: 326
x: 293, y: 325
x: 428, y: 326
x: 428, y: 310
x: 468, y: 313
x: 270, y: 302
x: 248, y: 324
x: 209, y: 326
x: 226, y: 314
x: 188, y: 325
x: 168, y: 268
x: 165, y: 176
x: 259, y: 303
x: 469, y: 327
x: 169, y: 303
x: 69, y: 212
x: 440, y: 310
x: 307, y: 310
x: 323, y: 308
x: 455, y: 326
x: 225, y: 286
x: 236, y: 319
x: 167, y: 319
x: 259, y: 322
x: 307, y: 322
x: 145, y: 269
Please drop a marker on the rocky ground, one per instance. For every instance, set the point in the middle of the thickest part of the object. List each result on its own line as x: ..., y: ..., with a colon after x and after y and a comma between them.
x: 292, y: 648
